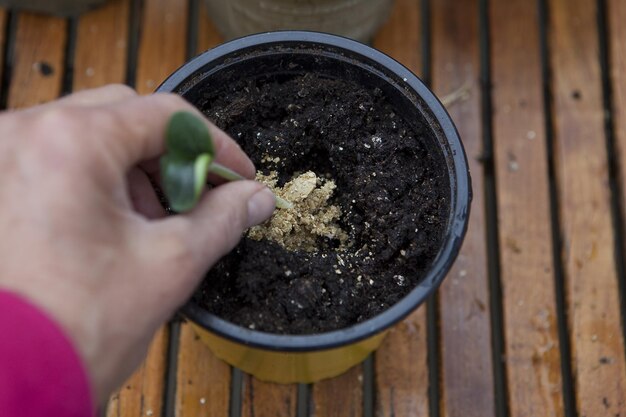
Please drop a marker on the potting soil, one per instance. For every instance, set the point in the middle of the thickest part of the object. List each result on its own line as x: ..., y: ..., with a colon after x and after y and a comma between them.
x: 387, y: 204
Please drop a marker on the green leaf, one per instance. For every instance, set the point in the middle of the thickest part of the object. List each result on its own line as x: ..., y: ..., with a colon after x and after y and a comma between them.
x: 183, y: 180
x: 184, y: 167
x: 189, y: 157
x: 187, y: 136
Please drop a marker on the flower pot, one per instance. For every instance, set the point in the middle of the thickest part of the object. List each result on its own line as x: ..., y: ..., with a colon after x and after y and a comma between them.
x: 356, y: 19
x: 56, y: 7
x: 306, y: 358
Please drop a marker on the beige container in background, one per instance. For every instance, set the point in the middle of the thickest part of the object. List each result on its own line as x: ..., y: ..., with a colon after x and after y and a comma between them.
x: 356, y: 19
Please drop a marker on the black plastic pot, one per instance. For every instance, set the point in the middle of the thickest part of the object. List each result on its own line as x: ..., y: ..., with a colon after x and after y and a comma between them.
x: 306, y: 358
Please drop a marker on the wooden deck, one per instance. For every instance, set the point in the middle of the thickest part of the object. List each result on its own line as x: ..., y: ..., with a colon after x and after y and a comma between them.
x: 531, y: 320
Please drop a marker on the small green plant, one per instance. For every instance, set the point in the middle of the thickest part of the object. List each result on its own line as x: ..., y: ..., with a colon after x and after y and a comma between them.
x: 190, y: 156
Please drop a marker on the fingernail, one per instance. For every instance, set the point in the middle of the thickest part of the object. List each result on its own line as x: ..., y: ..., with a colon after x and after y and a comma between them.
x: 260, y: 206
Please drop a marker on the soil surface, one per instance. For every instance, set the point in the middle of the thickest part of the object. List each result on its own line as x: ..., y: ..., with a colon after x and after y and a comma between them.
x: 391, y: 189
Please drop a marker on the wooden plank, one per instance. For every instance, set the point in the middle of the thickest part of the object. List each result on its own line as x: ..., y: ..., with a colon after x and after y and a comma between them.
x: 142, y: 394
x: 467, y: 384
x: 533, y: 361
x: 400, y: 37
x: 598, y: 360
x: 341, y: 396
x: 161, y: 51
x: 163, y: 42
x: 102, y: 46
x: 208, y: 36
x: 38, y: 61
x: 616, y: 14
x: 264, y: 399
x: 202, y: 380
x: 401, y: 364
x: 402, y: 369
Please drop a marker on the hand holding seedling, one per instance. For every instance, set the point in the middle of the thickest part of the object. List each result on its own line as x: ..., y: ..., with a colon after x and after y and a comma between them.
x: 84, y: 237
x: 190, y: 157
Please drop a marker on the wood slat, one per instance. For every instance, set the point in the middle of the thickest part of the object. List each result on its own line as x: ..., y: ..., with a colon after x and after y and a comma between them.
x: 401, y: 36
x: 341, y: 396
x: 464, y: 307
x: 161, y: 51
x: 401, y: 364
x: 208, y: 37
x: 142, y: 394
x: 202, y: 380
x: 532, y: 348
x: 37, y: 75
x: 617, y: 50
x: 264, y: 399
x: 582, y: 173
x: 402, y: 370
x: 162, y: 47
x: 102, y: 46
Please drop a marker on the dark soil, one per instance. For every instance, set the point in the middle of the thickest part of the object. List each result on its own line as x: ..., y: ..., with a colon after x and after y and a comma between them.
x: 391, y: 185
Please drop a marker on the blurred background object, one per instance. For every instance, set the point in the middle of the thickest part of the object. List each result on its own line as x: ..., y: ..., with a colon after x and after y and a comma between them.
x: 356, y: 19
x: 57, y: 7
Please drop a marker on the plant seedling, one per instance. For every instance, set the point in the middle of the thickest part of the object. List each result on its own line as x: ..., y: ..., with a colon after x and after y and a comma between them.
x: 189, y: 158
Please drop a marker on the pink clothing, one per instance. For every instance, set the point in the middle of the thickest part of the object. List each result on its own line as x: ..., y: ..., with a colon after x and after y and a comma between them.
x: 40, y: 372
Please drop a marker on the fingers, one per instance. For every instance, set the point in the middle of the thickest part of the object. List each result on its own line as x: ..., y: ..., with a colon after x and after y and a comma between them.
x: 108, y: 94
x: 144, y: 120
x: 97, y: 96
x: 226, y: 212
x: 197, y: 240
x: 85, y: 99
x: 143, y: 196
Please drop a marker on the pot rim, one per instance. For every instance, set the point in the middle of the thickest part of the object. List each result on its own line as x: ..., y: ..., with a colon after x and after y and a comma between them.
x: 457, y: 224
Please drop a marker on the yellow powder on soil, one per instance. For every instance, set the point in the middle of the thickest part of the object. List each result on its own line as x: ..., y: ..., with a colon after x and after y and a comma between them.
x: 312, y: 215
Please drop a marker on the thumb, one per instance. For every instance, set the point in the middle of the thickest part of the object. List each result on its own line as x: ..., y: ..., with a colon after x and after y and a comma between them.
x: 225, y: 212
x: 210, y: 231
x: 187, y: 245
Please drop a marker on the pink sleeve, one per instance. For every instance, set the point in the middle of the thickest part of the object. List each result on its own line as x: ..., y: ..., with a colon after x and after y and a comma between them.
x: 40, y: 372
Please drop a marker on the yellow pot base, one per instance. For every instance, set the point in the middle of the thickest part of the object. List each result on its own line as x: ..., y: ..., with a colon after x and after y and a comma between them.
x: 289, y: 367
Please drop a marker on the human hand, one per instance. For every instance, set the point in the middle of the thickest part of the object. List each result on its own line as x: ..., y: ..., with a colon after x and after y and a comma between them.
x: 83, y: 234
